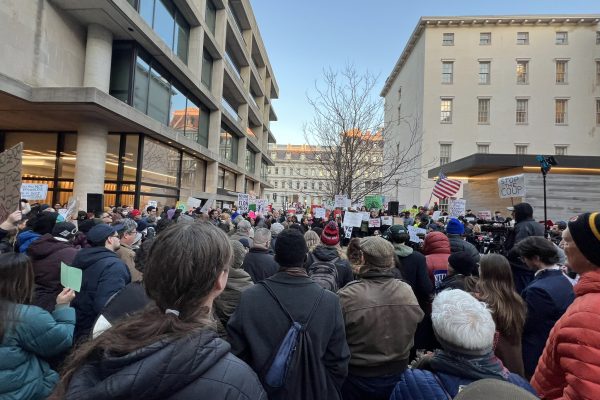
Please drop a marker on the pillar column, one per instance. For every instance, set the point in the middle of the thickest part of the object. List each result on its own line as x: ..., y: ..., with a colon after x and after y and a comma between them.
x: 98, y: 55
x: 195, y: 50
x: 212, y: 175
x: 92, y: 142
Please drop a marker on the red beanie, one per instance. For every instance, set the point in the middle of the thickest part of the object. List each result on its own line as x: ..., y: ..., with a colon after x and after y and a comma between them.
x: 331, y: 234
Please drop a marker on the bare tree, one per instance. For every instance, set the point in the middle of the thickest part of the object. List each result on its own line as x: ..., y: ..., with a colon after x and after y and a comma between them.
x: 348, y: 137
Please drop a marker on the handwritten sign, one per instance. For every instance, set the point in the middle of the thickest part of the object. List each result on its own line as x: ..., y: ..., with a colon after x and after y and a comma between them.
x: 352, y: 219
x: 485, y: 215
x: 387, y: 220
x: 457, y: 207
x: 319, y: 213
x: 511, y: 186
x: 209, y: 203
x: 193, y: 202
x: 243, y: 203
x: 261, y: 205
x: 340, y: 201
x: 152, y: 203
x: 414, y: 232
x: 347, y: 232
x: 365, y: 215
x: 375, y: 202
x: 34, y: 191
x: 374, y: 223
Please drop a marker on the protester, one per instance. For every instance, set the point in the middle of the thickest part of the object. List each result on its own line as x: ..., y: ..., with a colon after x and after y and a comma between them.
x: 460, y: 273
x: 9, y: 225
x: 569, y: 367
x: 127, y: 235
x: 259, y: 262
x: 170, y: 350
x: 547, y: 297
x: 276, y: 229
x: 381, y: 314
x: 39, y: 225
x: 330, y: 253
x: 243, y: 231
x: 437, y: 250
x: 525, y: 225
x: 28, y: 334
x: 259, y: 324
x: 455, y: 230
x: 47, y: 254
x: 104, y: 274
x: 312, y: 240
x: 353, y: 253
x: 465, y: 329
x: 496, y: 288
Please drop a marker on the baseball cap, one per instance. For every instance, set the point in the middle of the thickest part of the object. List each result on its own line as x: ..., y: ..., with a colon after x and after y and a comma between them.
x: 64, y: 230
x: 99, y: 233
x: 135, y: 213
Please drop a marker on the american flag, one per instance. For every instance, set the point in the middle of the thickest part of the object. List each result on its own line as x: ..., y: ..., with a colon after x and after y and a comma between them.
x: 445, y: 187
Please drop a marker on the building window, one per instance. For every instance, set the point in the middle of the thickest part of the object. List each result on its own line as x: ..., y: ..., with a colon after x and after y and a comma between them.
x: 447, y: 71
x: 312, y: 185
x: 597, y: 72
x: 483, y: 148
x: 305, y: 185
x: 250, y: 161
x: 522, y: 72
x: 560, y: 150
x: 297, y: 184
x: 445, y: 153
x: 448, y: 39
x: 597, y: 111
x: 274, y: 155
x: 561, y: 71
x: 320, y: 185
x: 207, y: 67
x: 522, y: 38
x: 276, y: 184
x: 400, y: 93
x: 446, y: 111
x: 522, y: 111
x: 283, y: 171
x: 211, y: 16
x: 484, y: 72
x: 562, y: 38
x: 288, y: 156
x: 521, y: 149
x: 228, y: 145
x: 483, y: 111
x: 560, y: 111
x: 485, y: 38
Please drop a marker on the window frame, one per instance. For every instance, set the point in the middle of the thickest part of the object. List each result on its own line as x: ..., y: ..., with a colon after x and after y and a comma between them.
x: 521, y: 149
x: 485, y: 42
x: 525, y: 73
x: 449, y: 111
x: 488, y: 74
x: 485, y: 113
x: 564, y: 74
x: 597, y: 111
x: 483, y: 148
x: 561, y: 40
x: 445, y: 156
x: 524, y: 40
x: 560, y: 149
x: 564, y: 114
x: 447, y: 38
x: 524, y: 112
x: 446, y: 74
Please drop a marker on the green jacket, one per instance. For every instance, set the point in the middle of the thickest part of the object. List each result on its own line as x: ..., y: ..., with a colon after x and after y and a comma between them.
x: 33, y: 334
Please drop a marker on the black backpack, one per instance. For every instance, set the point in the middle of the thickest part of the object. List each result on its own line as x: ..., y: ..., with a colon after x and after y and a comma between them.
x: 324, y: 274
x: 292, y: 372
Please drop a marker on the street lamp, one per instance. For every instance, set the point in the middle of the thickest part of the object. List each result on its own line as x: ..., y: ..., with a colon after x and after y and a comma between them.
x: 546, y: 163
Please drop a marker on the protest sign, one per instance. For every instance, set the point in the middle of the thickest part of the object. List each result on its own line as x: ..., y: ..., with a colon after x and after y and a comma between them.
x: 152, y: 203
x: 193, y: 202
x: 63, y: 213
x: 209, y: 203
x: 70, y: 277
x: 347, y: 232
x: 34, y: 191
x: 243, y: 203
x: 414, y: 233
x: 72, y: 209
x: 11, y: 162
x: 485, y: 215
x: 319, y: 213
x: 352, y: 219
x: 511, y: 186
x: 387, y: 220
x: 375, y: 202
x: 348, y: 203
x: 252, y: 202
x: 261, y: 205
x: 436, y: 215
x: 398, y: 221
x: 456, y: 207
x: 340, y: 201
x: 374, y: 223
x: 180, y: 206
x: 365, y: 215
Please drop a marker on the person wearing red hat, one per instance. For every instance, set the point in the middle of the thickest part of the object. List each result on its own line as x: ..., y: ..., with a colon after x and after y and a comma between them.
x: 135, y: 214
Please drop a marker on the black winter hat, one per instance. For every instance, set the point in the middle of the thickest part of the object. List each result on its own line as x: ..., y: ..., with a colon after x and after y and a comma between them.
x: 44, y: 222
x: 290, y: 248
x: 585, y: 230
x: 462, y: 263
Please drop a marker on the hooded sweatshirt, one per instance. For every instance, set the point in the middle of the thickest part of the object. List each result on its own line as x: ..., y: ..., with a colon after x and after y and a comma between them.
x: 413, y: 267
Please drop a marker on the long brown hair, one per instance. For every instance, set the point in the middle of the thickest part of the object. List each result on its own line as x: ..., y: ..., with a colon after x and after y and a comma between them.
x: 183, y: 264
x: 16, y: 285
x: 497, y: 289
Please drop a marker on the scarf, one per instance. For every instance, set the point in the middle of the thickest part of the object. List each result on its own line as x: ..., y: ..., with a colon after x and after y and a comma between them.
x: 469, y: 367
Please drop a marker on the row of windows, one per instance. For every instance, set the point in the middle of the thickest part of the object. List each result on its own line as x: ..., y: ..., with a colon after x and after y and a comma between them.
x: 484, y: 148
x: 298, y: 185
x: 521, y: 111
x: 298, y: 171
x: 485, y: 38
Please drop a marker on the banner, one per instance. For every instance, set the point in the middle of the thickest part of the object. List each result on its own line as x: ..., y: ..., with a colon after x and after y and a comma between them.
x: 11, y: 162
x: 340, y: 201
x: 243, y: 203
x: 457, y: 207
x: 34, y: 191
x: 193, y: 202
x: 374, y: 223
x: 319, y: 213
x: 352, y: 219
x: 511, y: 186
x: 375, y: 202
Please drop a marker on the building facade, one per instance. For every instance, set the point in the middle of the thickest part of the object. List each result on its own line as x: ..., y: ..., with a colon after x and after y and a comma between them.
x: 495, y: 85
x: 141, y: 100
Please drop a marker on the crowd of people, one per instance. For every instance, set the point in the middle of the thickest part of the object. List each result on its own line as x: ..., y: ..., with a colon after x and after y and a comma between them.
x: 279, y: 305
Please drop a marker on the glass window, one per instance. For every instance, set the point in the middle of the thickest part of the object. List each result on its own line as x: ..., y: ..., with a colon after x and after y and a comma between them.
x: 159, y: 97
x: 178, y: 119
x: 161, y: 200
x: 160, y: 163
x: 522, y: 72
x: 445, y: 153
x: 182, y: 34
x: 67, y: 158
x: 521, y: 149
x: 228, y: 145
x: 203, y: 122
x: 168, y: 23
x: 211, y: 16
x: 229, y: 181
x: 483, y: 148
x: 207, y: 67
x: 112, y: 158
x: 522, y: 111
x: 447, y: 71
x: 597, y: 37
x: 120, y: 71
x: 146, y: 10
x: 560, y: 111
x: 562, y: 38
x: 446, y: 111
x: 448, y: 39
x: 164, y: 21
x: 597, y: 72
x: 522, y: 38
x: 130, y: 158
x: 483, y: 111
x: 597, y: 111
x: 560, y: 150
x: 193, y: 176
x: 39, y: 153
x: 250, y: 160
x: 561, y: 71
x: 484, y: 72
x: 305, y: 185
x: 140, y: 87
x: 485, y: 38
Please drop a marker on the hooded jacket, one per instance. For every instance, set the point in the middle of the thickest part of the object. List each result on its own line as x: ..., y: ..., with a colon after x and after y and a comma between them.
x: 237, y: 281
x: 525, y: 225
x: 413, y: 267
x: 437, y: 250
x: 104, y: 274
x: 25, y: 238
x: 329, y: 253
x: 197, y: 366
x: 260, y: 264
x: 457, y: 243
x: 570, y: 366
x: 46, y: 254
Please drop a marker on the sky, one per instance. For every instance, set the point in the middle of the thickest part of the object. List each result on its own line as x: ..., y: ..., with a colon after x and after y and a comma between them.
x: 305, y: 37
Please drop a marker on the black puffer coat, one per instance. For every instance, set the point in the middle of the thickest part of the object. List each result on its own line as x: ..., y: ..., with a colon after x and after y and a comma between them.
x: 194, y: 367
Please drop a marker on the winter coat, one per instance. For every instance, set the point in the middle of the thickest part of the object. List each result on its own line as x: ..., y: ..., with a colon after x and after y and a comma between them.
x: 381, y: 316
x: 104, y: 274
x: 24, y: 240
x: 413, y: 267
x: 547, y: 297
x: 196, y: 366
x: 258, y: 326
x: 457, y: 243
x: 570, y: 365
x: 456, y: 281
x: 237, y: 281
x: 510, y: 351
x: 522, y: 275
x: 46, y: 255
x: 526, y: 228
x: 437, y: 250
x: 329, y: 253
x: 127, y: 255
x: 260, y: 264
x: 32, y: 336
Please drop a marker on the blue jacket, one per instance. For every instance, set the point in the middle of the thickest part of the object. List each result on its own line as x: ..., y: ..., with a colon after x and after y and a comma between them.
x: 104, y: 274
x: 420, y: 384
x: 32, y: 335
x: 547, y: 297
x: 24, y: 239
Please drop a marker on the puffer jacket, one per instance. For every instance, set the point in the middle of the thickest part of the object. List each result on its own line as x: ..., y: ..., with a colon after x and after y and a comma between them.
x: 437, y: 250
x: 569, y: 367
x: 25, y: 238
x: 196, y: 366
x: 329, y: 253
x: 46, y: 254
x: 458, y: 244
x: 381, y: 316
x: 31, y: 337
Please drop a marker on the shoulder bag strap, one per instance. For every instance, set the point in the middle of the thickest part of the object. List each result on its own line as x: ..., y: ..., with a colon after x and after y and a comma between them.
x: 314, y: 308
x: 272, y: 293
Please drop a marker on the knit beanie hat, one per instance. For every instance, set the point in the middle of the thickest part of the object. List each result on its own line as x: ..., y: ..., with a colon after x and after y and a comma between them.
x: 378, y: 252
x: 585, y: 230
x: 290, y: 248
x: 462, y: 263
x: 239, y: 252
x: 331, y: 234
x: 312, y: 239
x: 455, y: 227
x: 276, y: 229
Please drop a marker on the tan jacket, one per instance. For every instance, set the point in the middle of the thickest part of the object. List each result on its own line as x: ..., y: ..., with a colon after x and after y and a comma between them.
x: 127, y: 255
x: 381, y: 316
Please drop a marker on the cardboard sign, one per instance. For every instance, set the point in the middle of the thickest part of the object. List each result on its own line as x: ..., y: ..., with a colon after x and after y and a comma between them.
x: 347, y: 232
x: 387, y: 220
x: 511, y: 186
x: 243, y: 203
x: 340, y: 201
x: 485, y: 215
x: 374, y: 223
x: 375, y: 202
x: 72, y: 209
x: 34, y: 191
x: 193, y: 202
x: 11, y: 163
x: 319, y: 213
x: 457, y: 207
x: 352, y: 219
x: 70, y: 277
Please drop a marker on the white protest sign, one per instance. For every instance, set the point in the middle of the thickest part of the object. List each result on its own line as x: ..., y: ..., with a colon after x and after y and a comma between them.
x: 413, y: 233
x: 365, y: 215
x: 436, y: 215
x: 511, y: 186
x: 208, y: 203
x: 193, y: 202
x: 243, y: 202
x: 152, y: 203
x: 374, y: 223
x: 352, y: 219
x: 457, y: 207
x: 261, y: 205
x: 348, y: 203
x: 387, y: 220
x: 340, y: 201
x: 34, y: 191
x: 485, y: 215
x: 320, y: 213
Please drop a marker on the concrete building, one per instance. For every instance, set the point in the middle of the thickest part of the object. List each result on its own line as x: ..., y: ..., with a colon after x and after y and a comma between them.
x: 495, y: 85
x: 141, y: 100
